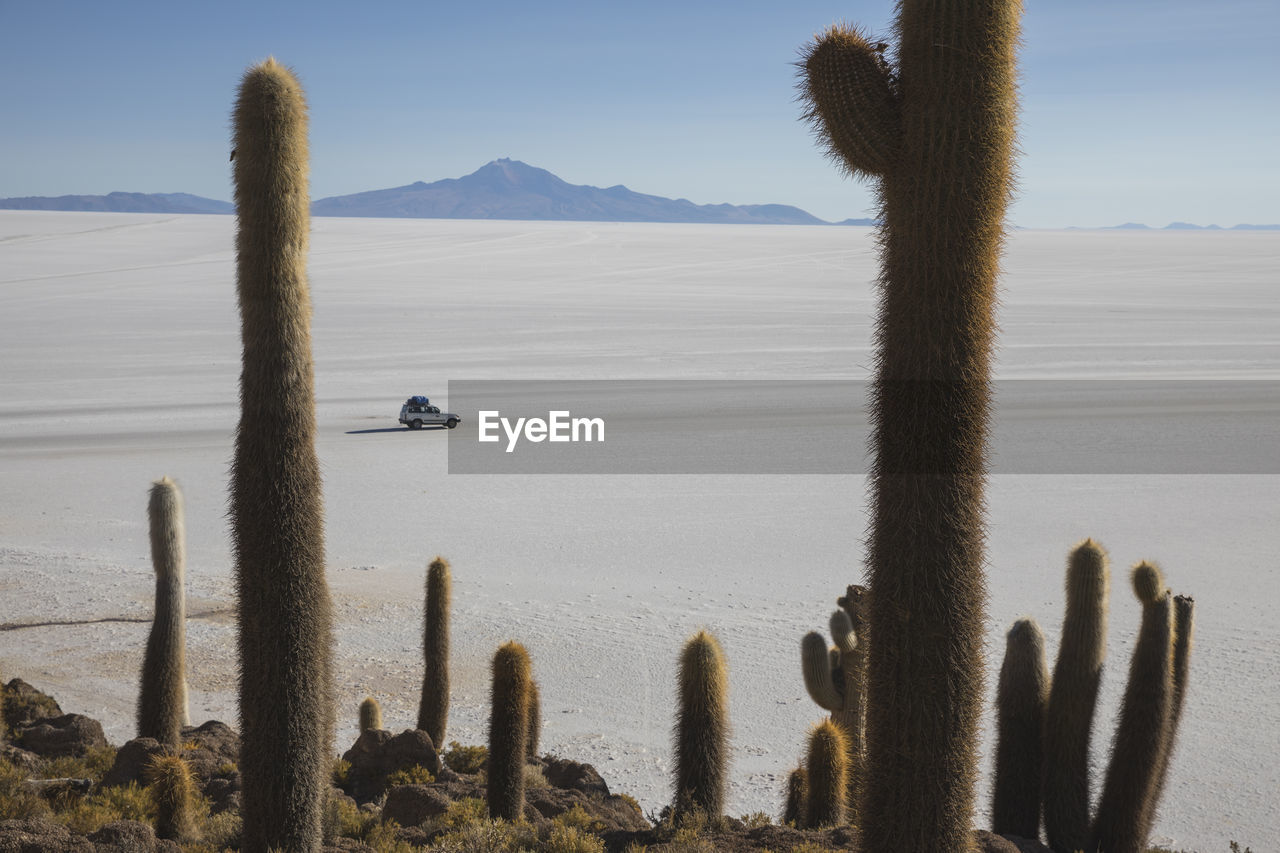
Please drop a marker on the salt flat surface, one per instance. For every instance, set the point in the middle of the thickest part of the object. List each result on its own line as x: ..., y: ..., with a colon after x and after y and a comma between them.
x: 119, y: 342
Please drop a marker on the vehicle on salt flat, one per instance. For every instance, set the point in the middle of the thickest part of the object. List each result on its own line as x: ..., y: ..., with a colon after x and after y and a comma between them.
x: 417, y: 411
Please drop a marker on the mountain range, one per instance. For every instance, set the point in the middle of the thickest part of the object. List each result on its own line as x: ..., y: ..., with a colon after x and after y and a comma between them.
x: 500, y: 189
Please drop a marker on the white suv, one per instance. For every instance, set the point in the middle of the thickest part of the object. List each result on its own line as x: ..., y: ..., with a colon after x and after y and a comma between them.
x: 417, y: 411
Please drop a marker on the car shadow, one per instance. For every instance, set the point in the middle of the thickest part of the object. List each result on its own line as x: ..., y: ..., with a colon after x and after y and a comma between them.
x: 425, y: 427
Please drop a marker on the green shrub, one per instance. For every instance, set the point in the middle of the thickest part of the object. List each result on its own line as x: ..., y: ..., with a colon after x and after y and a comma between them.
x: 571, y: 839
x: 465, y: 759
x: 415, y: 775
x: 491, y: 836
x: 17, y: 801
x: 577, y: 818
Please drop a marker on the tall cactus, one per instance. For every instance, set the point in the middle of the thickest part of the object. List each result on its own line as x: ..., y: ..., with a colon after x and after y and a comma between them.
x: 702, y: 728
x: 433, y: 709
x: 1073, y: 698
x: 286, y: 709
x: 162, y: 698
x: 1126, y: 809
x: 1021, y: 697
x: 508, y: 729
x: 836, y: 678
x: 935, y: 129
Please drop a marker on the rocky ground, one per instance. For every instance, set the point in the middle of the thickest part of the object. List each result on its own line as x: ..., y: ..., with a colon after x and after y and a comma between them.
x: 65, y: 788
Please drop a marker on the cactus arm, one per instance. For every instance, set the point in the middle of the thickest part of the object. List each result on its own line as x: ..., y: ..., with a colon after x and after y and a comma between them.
x: 1021, y: 696
x: 1183, y: 631
x: 851, y: 101
x: 842, y: 632
x: 1126, y: 808
x: 816, y: 665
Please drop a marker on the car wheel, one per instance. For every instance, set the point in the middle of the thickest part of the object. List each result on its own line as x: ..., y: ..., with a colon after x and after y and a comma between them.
x: 417, y: 424
x: 451, y: 423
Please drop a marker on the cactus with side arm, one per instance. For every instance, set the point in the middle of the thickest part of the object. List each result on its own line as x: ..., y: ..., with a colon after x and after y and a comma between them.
x: 932, y: 124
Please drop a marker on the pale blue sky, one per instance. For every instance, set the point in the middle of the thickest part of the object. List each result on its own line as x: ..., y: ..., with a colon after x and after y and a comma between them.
x: 1131, y: 110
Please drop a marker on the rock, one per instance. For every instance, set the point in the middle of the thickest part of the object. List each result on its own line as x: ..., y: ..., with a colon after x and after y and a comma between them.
x: 70, y: 734
x: 131, y: 762
x: 376, y: 755
x: 23, y: 705
x: 35, y: 835
x: 614, y: 813
x: 20, y: 758
x: 216, y: 737
x: 130, y: 836
x: 563, y: 773
x: 223, y: 794
x: 411, y: 805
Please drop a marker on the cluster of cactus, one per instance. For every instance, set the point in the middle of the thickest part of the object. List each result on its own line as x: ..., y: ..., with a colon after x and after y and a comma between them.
x: 932, y: 124
x: 836, y: 680
x: 162, y: 696
x: 1044, y: 727
x: 285, y: 637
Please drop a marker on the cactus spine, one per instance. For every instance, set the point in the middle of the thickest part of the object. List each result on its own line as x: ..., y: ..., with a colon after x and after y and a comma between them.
x: 285, y: 635
x: 836, y: 678
x: 797, y: 799
x: 1073, y: 698
x: 508, y: 730
x: 827, y: 766
x: 370, y: 715
x: 162, y: 699
x: 1126, y: 809
x: 534, y: 735
x: 702, y: 728
x: 1021, y: 697
x: 936, y: 131
x: 173, y: 791
x: 433, y: 710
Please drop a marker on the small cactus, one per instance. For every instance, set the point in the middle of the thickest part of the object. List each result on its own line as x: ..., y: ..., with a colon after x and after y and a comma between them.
x: 508, y: 731
x: 162, y: 697
x: 433, y: 710
x: 1126, y: 809
x: 534, y: 736
x: 797, y: 799
x: 827, y: 767
x: 702, y: 728
x: 174, y: 793
x: 1021, y: 697
x: 370, y: 715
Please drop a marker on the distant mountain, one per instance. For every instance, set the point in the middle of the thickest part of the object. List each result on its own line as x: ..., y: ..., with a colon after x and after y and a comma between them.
x: 122, y: 203
x: 1189, y: 226
x: 510, y: 189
